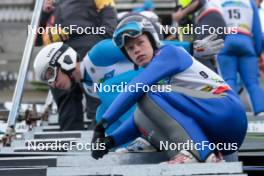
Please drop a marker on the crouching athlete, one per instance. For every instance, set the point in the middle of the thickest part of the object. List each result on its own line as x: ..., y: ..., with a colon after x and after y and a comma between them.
x: 200, y: 106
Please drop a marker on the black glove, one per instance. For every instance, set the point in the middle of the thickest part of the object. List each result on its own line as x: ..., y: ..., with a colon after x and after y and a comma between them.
x: 104, y: 145
x: 99, y: 131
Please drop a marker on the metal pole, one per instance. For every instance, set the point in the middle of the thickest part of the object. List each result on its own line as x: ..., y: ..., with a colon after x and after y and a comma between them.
x: 25, y: 64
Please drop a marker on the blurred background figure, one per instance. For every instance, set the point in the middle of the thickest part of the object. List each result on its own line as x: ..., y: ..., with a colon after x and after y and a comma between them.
x: 199, y: 13
x: 241, y: 51
x: 184, y: 16
x: 147, y: 6
x: 261, y: 15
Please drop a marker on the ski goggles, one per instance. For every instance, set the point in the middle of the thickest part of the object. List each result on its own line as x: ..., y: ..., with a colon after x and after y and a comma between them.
x: 131, y: 29
x: 50, y: 75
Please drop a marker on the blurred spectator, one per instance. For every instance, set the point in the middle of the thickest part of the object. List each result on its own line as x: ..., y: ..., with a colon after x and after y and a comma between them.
x: 261, y: 15
x: 183, y: 16
x: 258, y: 3
x: 241, y: 51
x: 184, y: 10
x: 210, y: 16
x: 261, y: 64
x: 201, y: 13
x: 148, y: 5
x: 80, y: 24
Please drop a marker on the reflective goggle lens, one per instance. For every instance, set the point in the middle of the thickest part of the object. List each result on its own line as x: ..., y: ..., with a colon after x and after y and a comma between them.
x: 132, y: 29
x: 50, y: 75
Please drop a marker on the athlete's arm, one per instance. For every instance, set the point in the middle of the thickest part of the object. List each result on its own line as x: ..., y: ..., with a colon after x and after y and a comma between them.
x: 168, y: 61
x: 190, y: 9
x: 256, y: 29
x: 193, y: 7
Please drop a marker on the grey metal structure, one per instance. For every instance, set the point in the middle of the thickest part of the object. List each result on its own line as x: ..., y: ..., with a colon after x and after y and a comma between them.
x: 24, y: 65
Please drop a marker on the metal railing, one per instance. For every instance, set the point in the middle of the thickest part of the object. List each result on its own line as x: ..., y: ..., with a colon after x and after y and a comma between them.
x: 24, y: 66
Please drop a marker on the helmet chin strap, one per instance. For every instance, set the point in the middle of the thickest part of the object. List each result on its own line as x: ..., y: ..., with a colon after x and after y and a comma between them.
x: 69, y: 74
x: 135, y: 66
x: 73, y: 82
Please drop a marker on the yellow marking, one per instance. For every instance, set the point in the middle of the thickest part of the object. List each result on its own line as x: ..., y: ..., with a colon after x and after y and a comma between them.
x: 100, y: 4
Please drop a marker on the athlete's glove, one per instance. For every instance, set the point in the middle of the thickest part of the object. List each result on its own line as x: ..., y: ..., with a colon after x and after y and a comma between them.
x: 208, y: 47
x: 99, y: 131
x: 103, y: 145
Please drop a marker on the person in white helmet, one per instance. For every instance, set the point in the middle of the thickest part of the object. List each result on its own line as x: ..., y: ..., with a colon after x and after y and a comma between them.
x: 61, y: 21
x: 56, y: 60
x: 58, y: 65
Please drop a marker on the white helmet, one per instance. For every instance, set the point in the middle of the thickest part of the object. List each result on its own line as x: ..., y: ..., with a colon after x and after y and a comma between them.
x: 150, y: 15
x: 50, y: 58
x: 133, y: 26
x: 121, y: 15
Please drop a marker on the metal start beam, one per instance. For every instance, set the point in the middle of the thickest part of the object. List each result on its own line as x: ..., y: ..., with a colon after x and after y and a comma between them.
x: 152, y: 170
x: 24, y: 171
x: 49, y: 161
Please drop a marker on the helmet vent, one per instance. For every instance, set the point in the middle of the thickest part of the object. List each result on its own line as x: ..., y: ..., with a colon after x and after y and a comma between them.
x: 67, y: 59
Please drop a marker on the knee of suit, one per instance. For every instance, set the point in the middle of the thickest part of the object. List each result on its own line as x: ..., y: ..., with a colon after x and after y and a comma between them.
x: 159, y: 130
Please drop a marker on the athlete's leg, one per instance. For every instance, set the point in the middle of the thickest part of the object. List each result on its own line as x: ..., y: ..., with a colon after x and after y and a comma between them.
x: 228, y: 69
x: 248, y: 69
x: 223, y: 120
x: 228, y: 63
x: 161, y: 124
